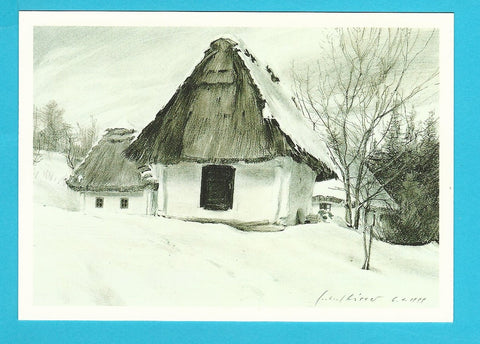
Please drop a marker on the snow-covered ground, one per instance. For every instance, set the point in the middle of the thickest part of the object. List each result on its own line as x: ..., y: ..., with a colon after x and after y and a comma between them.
x: 131, y: 260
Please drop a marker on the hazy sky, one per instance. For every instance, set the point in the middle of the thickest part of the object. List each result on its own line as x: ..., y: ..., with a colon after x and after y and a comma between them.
x: 124, y: 75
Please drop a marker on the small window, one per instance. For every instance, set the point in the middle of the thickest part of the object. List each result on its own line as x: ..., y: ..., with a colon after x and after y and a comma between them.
x: 325, y: 206
x: 99, y: 202
x: 123, y: 203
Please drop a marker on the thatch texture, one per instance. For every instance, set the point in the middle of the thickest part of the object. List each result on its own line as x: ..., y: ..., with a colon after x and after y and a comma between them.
x: 215, y: 116
x: 106, y: 168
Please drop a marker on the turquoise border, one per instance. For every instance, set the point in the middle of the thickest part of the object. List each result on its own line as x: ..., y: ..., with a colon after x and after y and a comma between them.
x: 465, y: 328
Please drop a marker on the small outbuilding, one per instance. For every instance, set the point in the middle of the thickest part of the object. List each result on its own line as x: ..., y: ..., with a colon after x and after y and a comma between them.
x: 329, y: 197
x: 108, y: 182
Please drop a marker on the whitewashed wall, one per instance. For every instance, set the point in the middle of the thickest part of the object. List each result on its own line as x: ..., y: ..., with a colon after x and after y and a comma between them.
x: 253, y: 196
x: 263, y: 191
x: 138, y: 202
x: 300, y: 191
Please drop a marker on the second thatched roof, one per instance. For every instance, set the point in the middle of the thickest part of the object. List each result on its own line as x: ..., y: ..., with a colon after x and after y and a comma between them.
x: 106, y: 168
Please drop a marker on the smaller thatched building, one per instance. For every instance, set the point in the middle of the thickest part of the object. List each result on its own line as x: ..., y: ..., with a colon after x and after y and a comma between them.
x: 110, y: 182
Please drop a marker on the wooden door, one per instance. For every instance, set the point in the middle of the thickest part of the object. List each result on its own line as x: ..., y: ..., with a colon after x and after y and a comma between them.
x: 217, y: 187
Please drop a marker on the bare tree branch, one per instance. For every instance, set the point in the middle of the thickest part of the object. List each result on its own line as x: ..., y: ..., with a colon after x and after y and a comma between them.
x: 357, y: 94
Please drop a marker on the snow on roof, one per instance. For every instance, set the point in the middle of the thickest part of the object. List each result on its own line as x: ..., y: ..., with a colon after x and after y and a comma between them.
x: 280, y: 106
x: 330, y: 188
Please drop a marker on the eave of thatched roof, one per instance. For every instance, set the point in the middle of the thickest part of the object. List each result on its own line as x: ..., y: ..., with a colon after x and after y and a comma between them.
x: 106, y: 168
x: 217, y: 116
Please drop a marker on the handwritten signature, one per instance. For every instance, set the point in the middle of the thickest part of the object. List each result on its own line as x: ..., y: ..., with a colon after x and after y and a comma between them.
x: 357, y: 297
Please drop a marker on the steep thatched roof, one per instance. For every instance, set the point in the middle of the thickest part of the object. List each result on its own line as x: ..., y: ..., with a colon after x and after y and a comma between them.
x: 106, y: 168
x: 217, y: 116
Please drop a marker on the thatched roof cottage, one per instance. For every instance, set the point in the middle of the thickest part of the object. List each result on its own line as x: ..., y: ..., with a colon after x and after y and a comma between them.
x: 230, y: 145
x: 109, y: 181
x: 329, y: 195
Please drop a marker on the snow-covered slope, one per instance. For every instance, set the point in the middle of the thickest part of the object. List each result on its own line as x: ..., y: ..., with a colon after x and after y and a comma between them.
x: 152, y: 261
x: 50, y: 189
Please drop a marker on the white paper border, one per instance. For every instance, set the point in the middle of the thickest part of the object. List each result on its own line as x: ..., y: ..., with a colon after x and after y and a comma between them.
x: 27, y: 20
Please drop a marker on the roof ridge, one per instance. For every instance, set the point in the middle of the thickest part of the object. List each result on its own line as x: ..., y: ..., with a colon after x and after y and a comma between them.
x: 221, y: 112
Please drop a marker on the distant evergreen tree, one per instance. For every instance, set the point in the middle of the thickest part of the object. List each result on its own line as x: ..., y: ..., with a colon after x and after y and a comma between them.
x: 415, y: 183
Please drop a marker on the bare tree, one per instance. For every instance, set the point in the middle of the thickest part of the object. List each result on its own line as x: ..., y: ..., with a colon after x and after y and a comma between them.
x: 87, y: 136
x: 71, y: 152
x: 80, y: 142
x: 353, y: 96
x: 371, y: 191
x: 52, y: 131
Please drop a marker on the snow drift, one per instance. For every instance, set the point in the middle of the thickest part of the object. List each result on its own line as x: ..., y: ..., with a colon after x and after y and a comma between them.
x: 133, y: 260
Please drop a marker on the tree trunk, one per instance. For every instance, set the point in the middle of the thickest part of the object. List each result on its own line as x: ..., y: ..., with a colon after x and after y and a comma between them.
x: 356, y: 223
x: 348, y: 204
x: 348, y: 214
x: 367, y: 247
x: 367, y: 240
x: 356, y: 201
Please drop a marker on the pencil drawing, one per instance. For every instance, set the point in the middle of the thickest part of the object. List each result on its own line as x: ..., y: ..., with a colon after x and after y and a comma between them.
x: 280, y: 183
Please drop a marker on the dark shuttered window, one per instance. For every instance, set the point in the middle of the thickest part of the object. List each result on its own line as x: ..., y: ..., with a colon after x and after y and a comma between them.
x: 99, y: 202
x: 123, y: 203
x: 217, y: 187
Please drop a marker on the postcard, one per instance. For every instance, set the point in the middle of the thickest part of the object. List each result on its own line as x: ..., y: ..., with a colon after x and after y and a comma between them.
x: 236, y: 166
